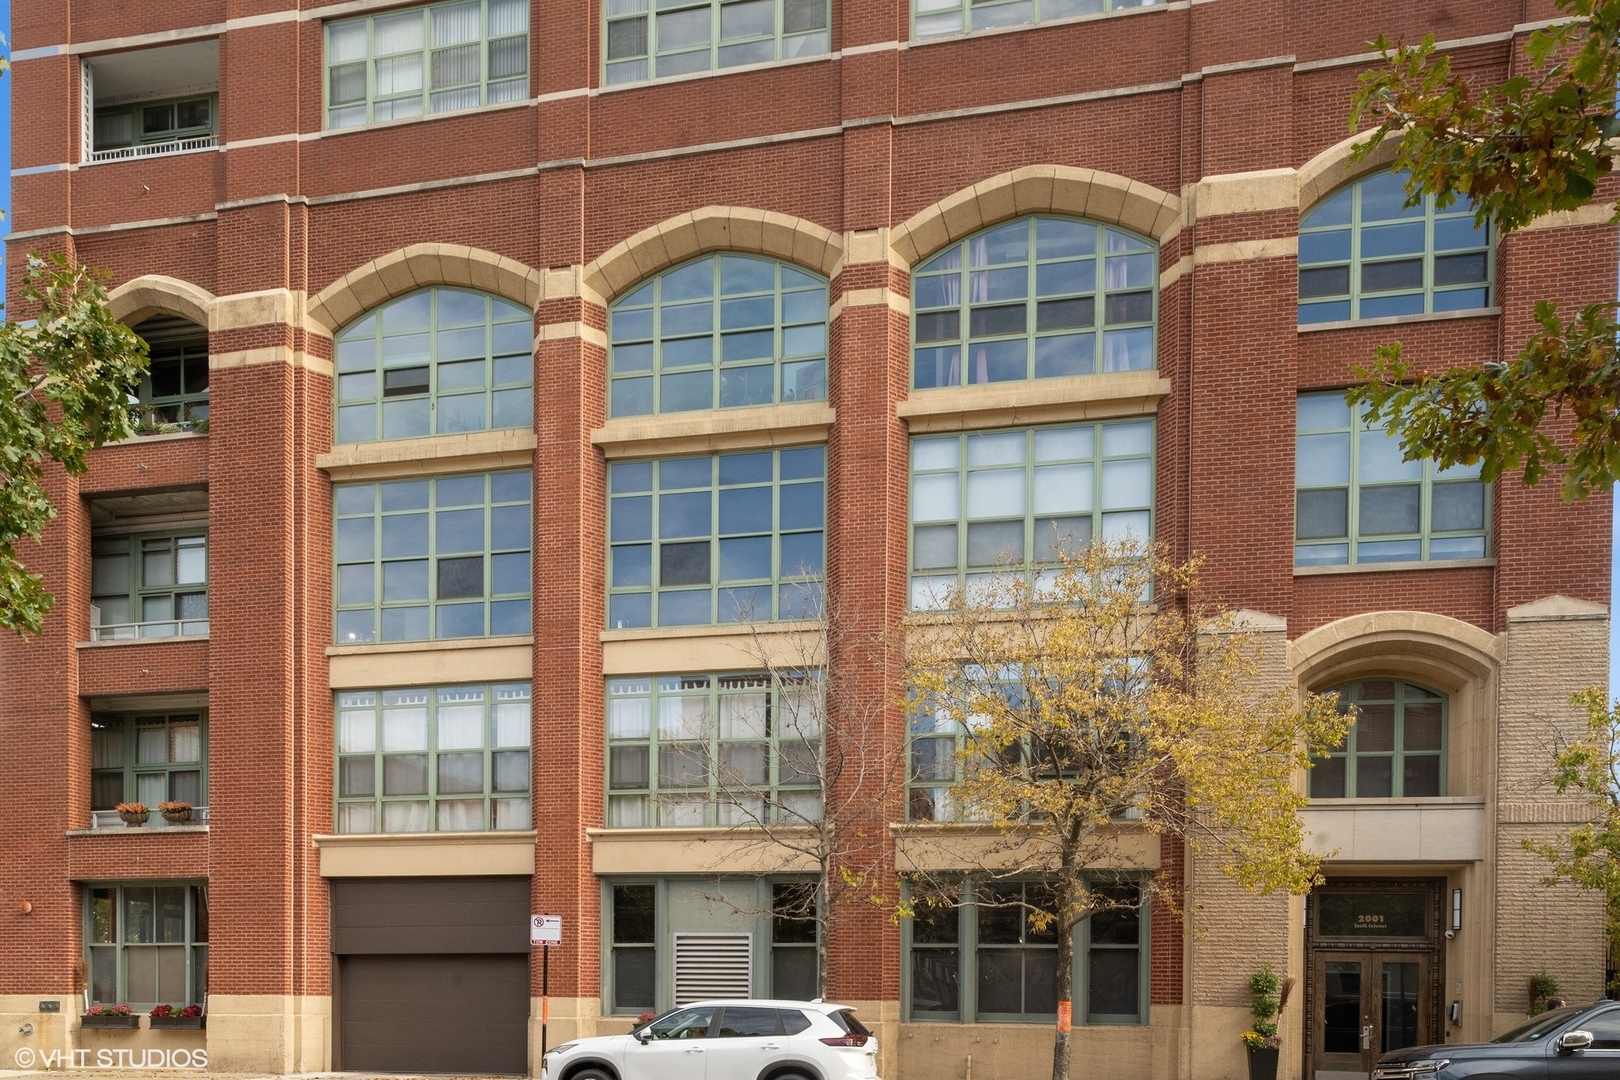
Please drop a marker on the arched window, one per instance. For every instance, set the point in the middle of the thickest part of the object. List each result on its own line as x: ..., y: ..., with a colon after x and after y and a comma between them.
x: 1365, y: 255
x: 1395, y: 749
x: 1032, y: 299
x: 173, y: 395
x: 719, y: 332
x: 435, y: 362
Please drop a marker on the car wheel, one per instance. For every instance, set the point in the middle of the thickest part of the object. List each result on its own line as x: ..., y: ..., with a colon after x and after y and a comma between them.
x: 591, y: 1074
x: 790, y: 1076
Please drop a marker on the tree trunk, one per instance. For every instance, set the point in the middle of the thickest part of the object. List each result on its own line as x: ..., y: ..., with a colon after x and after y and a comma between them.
x: 1065, y: 989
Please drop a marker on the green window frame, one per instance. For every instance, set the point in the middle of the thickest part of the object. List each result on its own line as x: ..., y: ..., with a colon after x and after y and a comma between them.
x: 1363, y: 255
x: 983, y: 502
x: 1035, y: 298
x: 931, y: 18
x: 430, y: 559
x: 147, y: 123
x: 148, y: 758
x: 1357, y: 501
x: 724, y: 331
x: 1395, y: 749
x: 686, y: 36
x: 173, y: 393
x: 434, y: 759
x: 641, y: 915
x: 435, y: 362
x: 719, y: 538
x: 146, y: 585
x: 433, y: 59
x: 146, y: 943
x: 713, y: 749
x: 983, y: 962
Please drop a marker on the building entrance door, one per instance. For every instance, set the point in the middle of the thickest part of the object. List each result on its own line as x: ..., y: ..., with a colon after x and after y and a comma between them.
x: 1367, y: 1004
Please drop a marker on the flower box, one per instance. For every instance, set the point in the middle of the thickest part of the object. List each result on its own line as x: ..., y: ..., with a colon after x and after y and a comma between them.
x: 111, y: 1020
x: 195, y: 1023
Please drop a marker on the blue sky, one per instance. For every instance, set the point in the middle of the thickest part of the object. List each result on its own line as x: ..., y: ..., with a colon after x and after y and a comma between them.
x: 5, y: 205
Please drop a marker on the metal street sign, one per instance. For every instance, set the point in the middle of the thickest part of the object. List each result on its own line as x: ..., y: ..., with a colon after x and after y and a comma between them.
x: 545, y: 930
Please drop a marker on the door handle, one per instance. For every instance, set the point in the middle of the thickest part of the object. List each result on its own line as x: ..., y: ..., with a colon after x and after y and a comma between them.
x: 695, y: 1050
x: 770, y: 1046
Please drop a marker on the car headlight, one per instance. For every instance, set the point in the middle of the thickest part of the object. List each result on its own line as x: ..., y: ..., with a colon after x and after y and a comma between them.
x: 563, y: 1049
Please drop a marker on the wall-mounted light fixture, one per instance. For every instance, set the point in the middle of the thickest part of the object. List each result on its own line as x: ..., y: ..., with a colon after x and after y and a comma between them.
x: 1456, y: 910
x: 25, y: 907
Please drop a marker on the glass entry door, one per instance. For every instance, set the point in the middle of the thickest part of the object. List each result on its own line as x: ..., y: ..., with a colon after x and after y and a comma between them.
x: 1382, y: 996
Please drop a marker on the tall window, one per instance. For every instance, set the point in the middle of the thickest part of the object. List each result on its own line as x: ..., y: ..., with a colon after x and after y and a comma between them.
x: 1357, y: 501
x: 1035, y: 298
x: 173, y: 394
x: 431, y: 59
x: 1363, y: 255
x: 931, y: 17
x: 724, y: 331
x: 1396, y: 747
x: 717, y: 539
x: 444, y: 558
x: 683, y: 36
x: 436, y: 362
x: 147, y: 127
x: 148, y: 585
x: 433, y: 759
x: 712, y: 749
x: 984, y: 962
x: 991, y: 500
x: 668, y: 941
x: 148, y: 759
x: 147, y: 944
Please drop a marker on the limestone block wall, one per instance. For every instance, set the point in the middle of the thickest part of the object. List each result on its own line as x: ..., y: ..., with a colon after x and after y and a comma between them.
x: 1555, y: 646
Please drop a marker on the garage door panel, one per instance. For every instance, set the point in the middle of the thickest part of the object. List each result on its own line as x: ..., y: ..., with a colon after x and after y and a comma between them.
x: 430, y: 916
x: 424, y: 1014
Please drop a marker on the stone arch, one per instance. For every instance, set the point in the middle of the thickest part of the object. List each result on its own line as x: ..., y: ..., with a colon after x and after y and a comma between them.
x: 1435, y: 650
x: 710, y: 229
x: 1332, y: 168
x: 1035, y: 189
x: 420, y: 266
x: 154, y: 294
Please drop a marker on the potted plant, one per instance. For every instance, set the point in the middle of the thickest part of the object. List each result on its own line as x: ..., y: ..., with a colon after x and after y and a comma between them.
x: 110, y: 1016
x: 167, y: 1016
x: 133, y: 813
x: 1542, y: 987
x: 1268, y: 992
x: 175, y: 812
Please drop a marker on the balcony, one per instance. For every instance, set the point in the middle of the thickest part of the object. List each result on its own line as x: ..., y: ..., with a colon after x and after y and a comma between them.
x: 1440, y: 830
x: 151, y: 102
x: 102, y: 820
x: 131, y: 631
x: 156, y: 149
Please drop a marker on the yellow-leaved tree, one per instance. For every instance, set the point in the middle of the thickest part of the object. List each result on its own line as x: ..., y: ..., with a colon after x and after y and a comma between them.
x: 1093, y: 703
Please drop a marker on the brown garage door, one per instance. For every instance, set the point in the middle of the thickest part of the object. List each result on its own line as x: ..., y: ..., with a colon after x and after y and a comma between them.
x: 432, y: 974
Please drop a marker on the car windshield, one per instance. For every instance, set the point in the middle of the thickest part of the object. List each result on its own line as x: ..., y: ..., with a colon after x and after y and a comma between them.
x: 1538, y: 1028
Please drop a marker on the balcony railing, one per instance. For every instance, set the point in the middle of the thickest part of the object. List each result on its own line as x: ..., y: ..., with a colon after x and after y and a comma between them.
x: 131, y: 631
x: 139, y: 150
x: 109, y: 819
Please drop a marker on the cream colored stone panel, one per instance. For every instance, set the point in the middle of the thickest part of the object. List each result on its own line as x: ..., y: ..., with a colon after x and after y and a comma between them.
x: 932, y: 1051
x: 420, y: 266
x: 793, y: 424
x: 710, y: 648
x: 1244, y: 250
x: 857, y: 298
x: 427, y: 855
x: 963, y: 847
x: 273, y: 354
x: 570, y: 1018
x: 1332, y: 168
x: 1597, y: 213
x: 241, y: 310
x: 427, y: 663
x: 680, y: 237
x: 475, y: 451
x: 569, y: 331
x: 1397, y: 830
x: 1079, y: 397
x: 864, y: 246
x: 275, y: 1033
x: 1060, y: 189
x: 1323, y: 655
x: 156, y: 294
x: 686, y: 851
x: 1175, y: 272
x: 1246, y: 193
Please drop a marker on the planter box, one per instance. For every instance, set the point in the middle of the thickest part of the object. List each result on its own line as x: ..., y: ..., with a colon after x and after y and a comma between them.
x: 131, y: 1021
x: 1263, y: 1064
x: 195, y: 1023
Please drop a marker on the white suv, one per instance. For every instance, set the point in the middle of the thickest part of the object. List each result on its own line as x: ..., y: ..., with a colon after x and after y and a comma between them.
x: 727, y: 1040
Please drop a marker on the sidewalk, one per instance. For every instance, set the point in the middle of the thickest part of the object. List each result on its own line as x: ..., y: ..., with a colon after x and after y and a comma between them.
x: 194, y: 1074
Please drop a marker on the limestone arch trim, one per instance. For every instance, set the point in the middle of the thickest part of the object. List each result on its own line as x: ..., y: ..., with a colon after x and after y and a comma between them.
x: 422, y: 266
x: 154, y: 294
x: 1038, y: 189
x: 1436, y: 650
x: 1332, y: 168
x: 709, y: 229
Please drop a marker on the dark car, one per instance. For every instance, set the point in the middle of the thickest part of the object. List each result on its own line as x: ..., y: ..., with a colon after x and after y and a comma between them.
x: 1578, y: 1043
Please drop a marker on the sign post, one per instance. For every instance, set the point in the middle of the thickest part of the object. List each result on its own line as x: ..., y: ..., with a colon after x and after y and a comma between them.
x: 545, y: 931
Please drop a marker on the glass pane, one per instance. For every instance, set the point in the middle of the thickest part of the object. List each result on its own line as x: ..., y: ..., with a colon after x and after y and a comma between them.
x: 935, y: 980
x: 1341, y: 1007
x: 1327, y: 778
x: 1400, y: 1006
x: 458, y: 773
x: 635, y: 979
x: 1114, y: 983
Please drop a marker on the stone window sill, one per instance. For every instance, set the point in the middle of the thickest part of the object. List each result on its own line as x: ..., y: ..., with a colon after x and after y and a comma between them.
x: 1400, y: 320
x: 1393, y: 567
